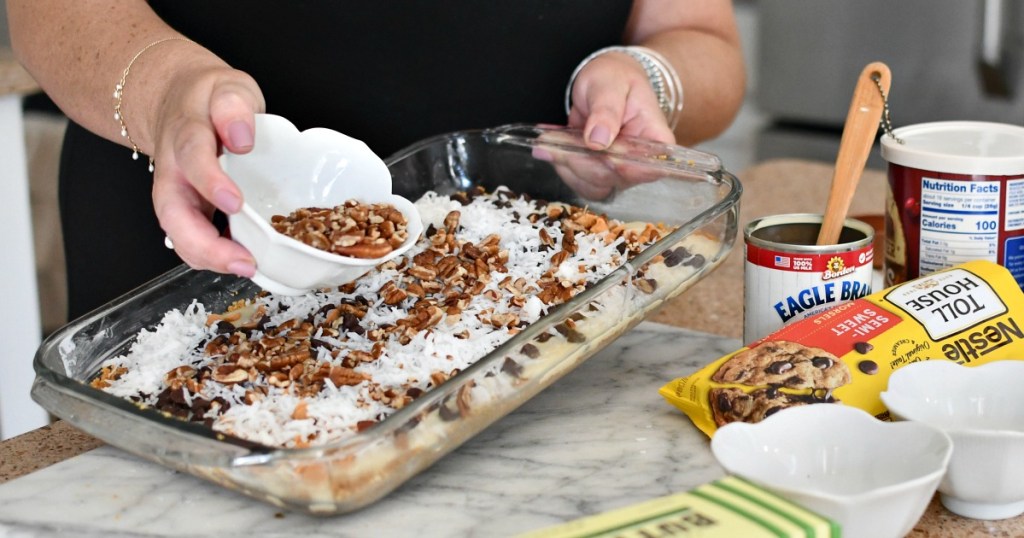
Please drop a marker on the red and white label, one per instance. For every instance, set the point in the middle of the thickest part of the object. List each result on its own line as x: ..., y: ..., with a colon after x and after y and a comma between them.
x: 782, y: 287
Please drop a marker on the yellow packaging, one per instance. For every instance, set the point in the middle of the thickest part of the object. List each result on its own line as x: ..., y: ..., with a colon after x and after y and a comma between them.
x: 725, y: 508
x: 969, y: 314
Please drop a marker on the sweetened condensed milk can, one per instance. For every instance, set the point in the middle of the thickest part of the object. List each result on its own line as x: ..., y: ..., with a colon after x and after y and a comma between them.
x: 956, y: 194
x: 788, y: 277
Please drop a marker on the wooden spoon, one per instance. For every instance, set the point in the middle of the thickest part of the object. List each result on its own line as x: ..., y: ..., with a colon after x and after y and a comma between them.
x: 862, y: 122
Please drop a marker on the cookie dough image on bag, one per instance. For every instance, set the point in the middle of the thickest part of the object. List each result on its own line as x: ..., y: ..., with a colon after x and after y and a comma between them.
x: 810, y: 374
x: 970, y: 314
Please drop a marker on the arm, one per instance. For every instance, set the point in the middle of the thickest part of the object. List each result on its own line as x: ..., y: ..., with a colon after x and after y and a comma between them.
x: 179, y: 104
x: 699, y: 38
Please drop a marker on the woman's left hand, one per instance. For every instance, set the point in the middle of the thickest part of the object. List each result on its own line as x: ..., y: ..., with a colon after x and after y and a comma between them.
x: 612, y: 95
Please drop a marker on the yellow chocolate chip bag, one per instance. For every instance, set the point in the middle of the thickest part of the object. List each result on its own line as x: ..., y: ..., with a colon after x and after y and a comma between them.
x: 970, y: 314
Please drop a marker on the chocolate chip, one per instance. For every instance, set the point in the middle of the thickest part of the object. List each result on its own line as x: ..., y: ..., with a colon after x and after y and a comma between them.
x: 572, y: 335
x: 821, y: 363
x: 779, y: 367
x: 225, y: 327
x: 350, y: 323
x: 696, y: 261
x: 511, y: 367
x: 868, y: 367
x: 771, y: 393
x: 530, y: 350
x: 325, y: 308
x: 681, y: 253
x: 863, y: 347
x: 723, y: 403
x: 794, y: 381
x: 177, y: 396
x: 771, y: 411
x: 447, y: 413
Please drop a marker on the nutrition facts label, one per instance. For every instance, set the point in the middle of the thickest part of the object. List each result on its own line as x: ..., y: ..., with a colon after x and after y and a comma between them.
x: 959, y: 222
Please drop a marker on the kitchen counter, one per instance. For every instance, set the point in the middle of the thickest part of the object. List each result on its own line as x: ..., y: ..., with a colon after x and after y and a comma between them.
x: 598, y: 439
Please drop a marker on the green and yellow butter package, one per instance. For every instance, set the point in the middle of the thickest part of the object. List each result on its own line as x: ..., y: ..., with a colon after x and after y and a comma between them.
x: 725, y: 508
x: 969, y: 314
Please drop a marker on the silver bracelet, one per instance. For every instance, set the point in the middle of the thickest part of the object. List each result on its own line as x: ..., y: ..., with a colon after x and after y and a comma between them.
x: 662, y: 76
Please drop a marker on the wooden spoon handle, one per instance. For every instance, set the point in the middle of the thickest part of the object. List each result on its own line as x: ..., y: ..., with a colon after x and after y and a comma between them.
x: 858, y: 137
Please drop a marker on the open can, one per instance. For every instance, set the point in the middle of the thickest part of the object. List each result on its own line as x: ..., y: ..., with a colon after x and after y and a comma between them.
x: 789, y: 277
x: 956, y: 194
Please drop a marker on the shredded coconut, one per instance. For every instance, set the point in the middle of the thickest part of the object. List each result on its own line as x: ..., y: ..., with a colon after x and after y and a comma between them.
x: 371, y: 360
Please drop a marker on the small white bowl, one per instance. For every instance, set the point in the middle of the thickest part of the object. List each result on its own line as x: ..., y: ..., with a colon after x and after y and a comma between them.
x: 287, y: 170
x: 874, y: 478
x: 982, y: 410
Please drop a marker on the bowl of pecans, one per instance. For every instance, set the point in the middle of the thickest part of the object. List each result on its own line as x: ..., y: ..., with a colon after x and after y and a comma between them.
x: 318, y: 208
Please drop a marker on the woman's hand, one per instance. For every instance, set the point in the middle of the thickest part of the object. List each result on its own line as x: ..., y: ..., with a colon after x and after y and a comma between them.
x: 612, y: 95
x: 181, y: 105
x: 203, y: 110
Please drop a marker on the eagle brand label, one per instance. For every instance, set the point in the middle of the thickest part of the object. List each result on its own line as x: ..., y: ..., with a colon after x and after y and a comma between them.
x: 789, y: 278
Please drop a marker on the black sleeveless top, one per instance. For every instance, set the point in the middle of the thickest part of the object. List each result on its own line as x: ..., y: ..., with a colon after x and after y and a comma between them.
x: 386, y: 72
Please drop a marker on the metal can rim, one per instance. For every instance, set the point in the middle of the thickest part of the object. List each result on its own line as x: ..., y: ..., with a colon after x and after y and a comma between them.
x: 807, y: 218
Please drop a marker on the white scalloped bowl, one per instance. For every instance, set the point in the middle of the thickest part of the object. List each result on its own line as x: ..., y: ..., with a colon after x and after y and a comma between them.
x: 287, y: 170
x: 982, y: 410
x: 874, y: 478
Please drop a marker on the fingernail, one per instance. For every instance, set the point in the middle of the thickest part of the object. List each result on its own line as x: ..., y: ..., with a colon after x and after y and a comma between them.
x: 240, y: 135
x: 542, y: 155
x: 242, y: 268
x: 227, y: 201
x: 600, y: 135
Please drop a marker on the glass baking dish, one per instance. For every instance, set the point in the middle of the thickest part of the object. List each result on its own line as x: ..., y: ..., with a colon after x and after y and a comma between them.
x: 635, y: 181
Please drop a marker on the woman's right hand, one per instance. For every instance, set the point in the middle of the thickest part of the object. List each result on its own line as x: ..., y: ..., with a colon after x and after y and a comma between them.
x: 203, y: 110
x: 181, y: 105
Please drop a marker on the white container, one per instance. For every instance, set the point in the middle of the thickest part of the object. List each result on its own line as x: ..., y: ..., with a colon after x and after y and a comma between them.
x: 874, y: 478
x: 956, y: 193
x: 287, y: 170
x: 982, y: 410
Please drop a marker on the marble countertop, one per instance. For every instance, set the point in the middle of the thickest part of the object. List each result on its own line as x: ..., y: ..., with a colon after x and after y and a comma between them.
x: 598, y: 439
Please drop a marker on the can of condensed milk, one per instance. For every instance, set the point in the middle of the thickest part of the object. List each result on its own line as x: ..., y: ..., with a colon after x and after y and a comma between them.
x: 956, y: 194
x: 788, y: 277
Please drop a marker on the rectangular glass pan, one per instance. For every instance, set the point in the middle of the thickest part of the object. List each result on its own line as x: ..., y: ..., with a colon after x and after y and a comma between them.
x: 635, y: 181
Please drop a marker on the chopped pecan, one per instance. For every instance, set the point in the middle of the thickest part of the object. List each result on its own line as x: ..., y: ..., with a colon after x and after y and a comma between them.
x: 230, y: 374
x: 646, y: 285
x: 559, y: 257
x: 301, y: 411
x: 354, y: 228
x: 392, y: 294
x: 451, y: 221
x: 341, y: 376
x: 108, y: 374
x: 177, y: 377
